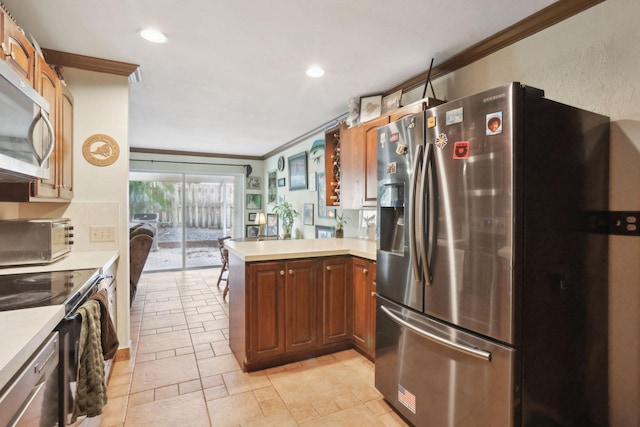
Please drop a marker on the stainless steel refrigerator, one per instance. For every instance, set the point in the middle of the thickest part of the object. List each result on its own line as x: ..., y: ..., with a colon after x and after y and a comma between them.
x: 492, y: 297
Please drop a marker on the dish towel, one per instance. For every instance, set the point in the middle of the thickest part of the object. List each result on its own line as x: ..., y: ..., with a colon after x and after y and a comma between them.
x: 91, y: 389
x: 109, y: 337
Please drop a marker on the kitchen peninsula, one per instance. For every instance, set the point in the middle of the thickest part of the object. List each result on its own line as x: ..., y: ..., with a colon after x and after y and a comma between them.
x: 294, y: 299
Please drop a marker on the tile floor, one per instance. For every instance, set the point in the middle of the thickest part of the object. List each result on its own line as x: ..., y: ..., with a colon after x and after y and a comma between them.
x: 182, y: 372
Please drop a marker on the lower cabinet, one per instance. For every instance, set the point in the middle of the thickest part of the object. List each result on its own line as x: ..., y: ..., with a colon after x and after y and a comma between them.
x: 363, y: 274
x: 283, y: 308
x: 336, y: 300
x: 302, y: 308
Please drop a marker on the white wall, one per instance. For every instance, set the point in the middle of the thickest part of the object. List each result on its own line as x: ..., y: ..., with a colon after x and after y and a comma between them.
x: 299, y: 198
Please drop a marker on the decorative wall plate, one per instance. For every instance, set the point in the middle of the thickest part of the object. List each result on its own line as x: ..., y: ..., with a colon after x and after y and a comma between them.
x: 100, y: 150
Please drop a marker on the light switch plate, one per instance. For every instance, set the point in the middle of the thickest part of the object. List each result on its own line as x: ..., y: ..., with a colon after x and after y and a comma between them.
x: 102, y: 233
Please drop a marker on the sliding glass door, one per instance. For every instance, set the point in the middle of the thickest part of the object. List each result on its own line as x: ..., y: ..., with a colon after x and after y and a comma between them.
x: 189, y: 212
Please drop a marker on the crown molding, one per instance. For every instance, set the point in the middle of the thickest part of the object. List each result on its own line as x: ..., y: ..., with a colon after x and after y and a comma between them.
x: 550, y: 15
x: 90, y: 63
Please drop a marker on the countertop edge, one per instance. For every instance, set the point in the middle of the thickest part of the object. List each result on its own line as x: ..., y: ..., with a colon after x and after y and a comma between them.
x: 254, y: 251
x: 19, y: 344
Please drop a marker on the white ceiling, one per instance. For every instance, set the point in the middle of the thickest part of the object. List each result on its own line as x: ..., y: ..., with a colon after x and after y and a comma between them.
x: 231, y: 79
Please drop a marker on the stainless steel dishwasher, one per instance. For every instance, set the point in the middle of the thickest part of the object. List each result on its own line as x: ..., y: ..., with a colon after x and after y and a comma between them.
x: 31, y: 398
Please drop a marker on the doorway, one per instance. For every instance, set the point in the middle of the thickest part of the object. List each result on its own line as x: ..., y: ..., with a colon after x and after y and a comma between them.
x: 189, y: 212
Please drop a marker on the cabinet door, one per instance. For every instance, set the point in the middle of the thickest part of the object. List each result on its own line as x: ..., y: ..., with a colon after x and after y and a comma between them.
x: 370, y: 137
x: 336, y: 301
x: 301, y: 308
x: 19, y: 52
x: 414, y: 108
x: 353, y: 171
x: 361, y: 302
x: 266, y: 310
x: 47, y: 85
x: 64, y: 138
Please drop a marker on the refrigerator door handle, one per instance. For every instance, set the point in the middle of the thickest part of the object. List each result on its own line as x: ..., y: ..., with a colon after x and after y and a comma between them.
x: 432, y: 215
x: 471, y: 351
x: 413, y: 246
x: 424, y: 231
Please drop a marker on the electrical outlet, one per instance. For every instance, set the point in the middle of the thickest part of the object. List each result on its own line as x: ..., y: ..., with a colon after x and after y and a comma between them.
x: 102, y: 233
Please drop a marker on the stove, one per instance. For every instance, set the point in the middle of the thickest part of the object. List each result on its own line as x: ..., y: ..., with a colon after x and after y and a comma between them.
x: 28, y: 290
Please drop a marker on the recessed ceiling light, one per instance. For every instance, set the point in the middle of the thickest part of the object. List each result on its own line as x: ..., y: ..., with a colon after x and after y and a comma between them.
x: 153, y: 35
x: 315, y: 71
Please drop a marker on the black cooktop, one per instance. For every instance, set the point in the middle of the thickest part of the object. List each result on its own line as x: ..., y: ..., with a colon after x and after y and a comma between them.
x: 41, y: 289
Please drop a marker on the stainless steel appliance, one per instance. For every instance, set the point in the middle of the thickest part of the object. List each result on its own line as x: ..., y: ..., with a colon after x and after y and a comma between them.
x: 70, y: 288
x: 34, y: 241
x: 492, y: 307
x: 27, y: 137
x: 31, y: 398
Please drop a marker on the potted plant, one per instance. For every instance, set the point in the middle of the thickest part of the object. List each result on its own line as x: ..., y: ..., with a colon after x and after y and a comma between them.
x: 341, y: 220
x: 287, y: 213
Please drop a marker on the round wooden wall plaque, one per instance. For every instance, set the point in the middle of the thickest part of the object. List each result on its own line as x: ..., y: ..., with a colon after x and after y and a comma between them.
x: 100, y: 150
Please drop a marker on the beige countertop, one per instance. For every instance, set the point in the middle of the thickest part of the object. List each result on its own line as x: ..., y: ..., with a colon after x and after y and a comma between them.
x: 23, y: 331
x: 268, y: 250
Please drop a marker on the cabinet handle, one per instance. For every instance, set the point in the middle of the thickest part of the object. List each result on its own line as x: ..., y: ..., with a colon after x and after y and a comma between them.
x: 282, y: 272
x: 328, y: 268
x: 290, y: 271
x: 365, y: 271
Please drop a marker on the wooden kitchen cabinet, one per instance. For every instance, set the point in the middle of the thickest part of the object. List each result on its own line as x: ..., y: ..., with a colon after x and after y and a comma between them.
x: 301, y: 305
x: 48, y: 85
x: 58, y: 187
x: 360, y: 157
x: 64, y: 138
x: 336, y: 300
x: 363, y: 274
x: 370, y: 144
x: 17, y: 50
x: 283, y: 301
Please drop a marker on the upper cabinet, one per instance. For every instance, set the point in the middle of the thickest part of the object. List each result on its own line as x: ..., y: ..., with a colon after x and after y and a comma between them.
x: 20, y: 54
x: 359, y: 157
x: 48, y: 85
x: 64, y: 138
x: 17, y: 50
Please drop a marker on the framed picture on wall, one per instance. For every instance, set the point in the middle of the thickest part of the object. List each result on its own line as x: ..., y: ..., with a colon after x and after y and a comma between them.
x: 298, y: 172
x: 272, y: 225
x: 273, y: 192
x: 281, y: 182
x: 252, y: 216
x: 307, y: 214
x: 254, y: 183
x: 254, y: 201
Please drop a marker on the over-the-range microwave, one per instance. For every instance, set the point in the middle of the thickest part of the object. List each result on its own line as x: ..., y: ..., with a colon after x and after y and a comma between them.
x: 27, y: 137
